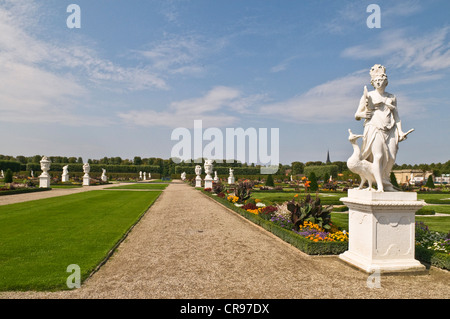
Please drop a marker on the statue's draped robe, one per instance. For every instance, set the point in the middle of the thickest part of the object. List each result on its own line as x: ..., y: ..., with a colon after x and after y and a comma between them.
x: 382, y: 126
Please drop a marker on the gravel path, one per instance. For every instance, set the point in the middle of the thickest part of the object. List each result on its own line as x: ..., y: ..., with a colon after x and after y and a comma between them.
x: 188, y: 246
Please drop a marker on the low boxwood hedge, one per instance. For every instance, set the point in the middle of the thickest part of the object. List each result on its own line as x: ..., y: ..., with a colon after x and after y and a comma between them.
x: 22, y: 191
x: 305, y: 245
x: 434, y: 258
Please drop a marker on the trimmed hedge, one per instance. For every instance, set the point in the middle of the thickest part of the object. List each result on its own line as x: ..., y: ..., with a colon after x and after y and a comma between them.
x: 23, y: 191
x: 321, y: 170
x: 12, y: 165
x: 307, y: 246
x: 434, y: 258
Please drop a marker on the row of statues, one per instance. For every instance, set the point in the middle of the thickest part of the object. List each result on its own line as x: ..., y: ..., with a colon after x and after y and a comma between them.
x: 208, y: 178
x: 44, y: 178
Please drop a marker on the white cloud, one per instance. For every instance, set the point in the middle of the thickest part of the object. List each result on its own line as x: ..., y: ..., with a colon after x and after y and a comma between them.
x: 47, y: 81
x: 330, y: 102
x: 214, y: 109
x: 428, y: 52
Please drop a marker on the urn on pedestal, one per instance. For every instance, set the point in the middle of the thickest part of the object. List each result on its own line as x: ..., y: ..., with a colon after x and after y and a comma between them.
x: 86, y: 178
x: 44, y: 178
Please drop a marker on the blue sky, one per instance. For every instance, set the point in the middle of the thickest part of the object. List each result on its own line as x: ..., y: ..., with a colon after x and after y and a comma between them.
x: 136, y: 70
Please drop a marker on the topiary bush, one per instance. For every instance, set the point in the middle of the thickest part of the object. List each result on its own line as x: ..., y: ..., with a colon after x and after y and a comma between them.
x: 8, y: 176
x: 269, y: 181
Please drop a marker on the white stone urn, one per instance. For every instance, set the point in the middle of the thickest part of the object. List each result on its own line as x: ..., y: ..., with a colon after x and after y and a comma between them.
x: 208, y: 170
x: 44, y: 178
x: 86, y: 178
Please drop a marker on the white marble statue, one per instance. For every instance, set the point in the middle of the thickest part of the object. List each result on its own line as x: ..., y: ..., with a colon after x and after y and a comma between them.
x: 32, y: 173
x: 183, y: 176
x: 140, y: 174
x: 382, y: 128
x: 2, y: 175
x: 231, y: 177
x: 216, y: 178
x: 65, y: 174
x: 149, y: 175
x: 104, y: 177
x: 145, y: 176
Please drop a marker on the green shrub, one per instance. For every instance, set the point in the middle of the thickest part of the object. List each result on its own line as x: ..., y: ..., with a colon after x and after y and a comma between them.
x: 340, y: 208
x: 313, y: 179
x: 269, y: 181
x: 12, y: 165
x: 426, y: 211
x: 8, y: 176
x: 321, y: 170
x: 430, y: 183
x: 393, y: 180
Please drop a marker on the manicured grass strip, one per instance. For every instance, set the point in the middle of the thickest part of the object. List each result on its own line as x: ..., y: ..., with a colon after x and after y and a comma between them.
x: 39, y: 239
x: 140, y: 186
x: 436, y: 223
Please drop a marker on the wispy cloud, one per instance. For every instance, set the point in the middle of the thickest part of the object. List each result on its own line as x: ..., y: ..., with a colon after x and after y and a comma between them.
x: 219, y: 107
x: 428, y: 52
x: 47, y: 77
x: 332, y: 101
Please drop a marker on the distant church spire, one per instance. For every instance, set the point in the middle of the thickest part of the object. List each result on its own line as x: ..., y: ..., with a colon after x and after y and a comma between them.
x: 328, y: 157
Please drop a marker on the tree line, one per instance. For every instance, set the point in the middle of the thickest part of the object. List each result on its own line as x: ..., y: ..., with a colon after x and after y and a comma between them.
x: 168, y: 166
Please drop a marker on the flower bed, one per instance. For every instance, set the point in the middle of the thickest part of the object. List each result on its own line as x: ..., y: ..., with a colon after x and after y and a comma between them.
x: 432, y: 247
x: 330, y: 244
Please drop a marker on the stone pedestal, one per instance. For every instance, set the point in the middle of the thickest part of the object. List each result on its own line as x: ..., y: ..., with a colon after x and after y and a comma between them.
x: 104, y: 178
x: 44, y: 181
x: 86, y: 180
x: 208, y: 182
x: 231, y: 180
x: 382, y: 231
x: 65, y: 178
x: 198, y: 181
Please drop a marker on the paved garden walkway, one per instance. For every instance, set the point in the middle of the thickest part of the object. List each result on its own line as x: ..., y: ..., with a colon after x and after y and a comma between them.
x: 188, y: 246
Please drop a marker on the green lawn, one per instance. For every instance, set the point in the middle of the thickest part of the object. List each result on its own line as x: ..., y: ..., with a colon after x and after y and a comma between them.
x: 140, y: 186
x: 39, y: 239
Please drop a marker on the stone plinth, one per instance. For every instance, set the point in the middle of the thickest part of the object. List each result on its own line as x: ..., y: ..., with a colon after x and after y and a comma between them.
x: 65, y: 178
x: 231, y: 180
x: 382, y: 231
x: 86, y: 181
x: 198, y: 181
x: 44, y: 181
x: 208, y: 182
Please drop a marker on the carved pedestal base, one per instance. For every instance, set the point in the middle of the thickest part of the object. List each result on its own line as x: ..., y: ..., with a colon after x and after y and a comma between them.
x: 86, y: 181
x: 208, y: 182
x: 382, y: 231
x: 44, y: 181
x: 65, y: 178
x: 198, y: 181
x: 231, y: 180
